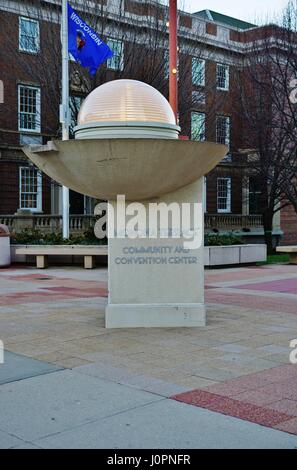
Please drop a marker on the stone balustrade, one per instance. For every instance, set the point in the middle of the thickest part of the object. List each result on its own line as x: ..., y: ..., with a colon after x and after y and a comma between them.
x: 229, y: 222
x: 46, y: 223
x: 81, y: 223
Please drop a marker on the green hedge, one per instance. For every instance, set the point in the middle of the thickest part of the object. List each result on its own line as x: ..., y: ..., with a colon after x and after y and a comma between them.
x: 222, y: 240
x: 36, y: 237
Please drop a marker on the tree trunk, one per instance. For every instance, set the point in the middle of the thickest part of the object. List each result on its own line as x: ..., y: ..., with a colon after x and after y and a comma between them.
x: 268, y: 225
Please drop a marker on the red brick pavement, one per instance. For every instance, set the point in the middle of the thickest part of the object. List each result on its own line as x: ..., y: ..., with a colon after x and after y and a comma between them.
x: 268, y: 398
x: 58, y: 289
x: 274, y: 304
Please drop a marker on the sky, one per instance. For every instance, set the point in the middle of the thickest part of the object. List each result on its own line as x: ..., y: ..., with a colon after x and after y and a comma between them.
x: 250, y: 10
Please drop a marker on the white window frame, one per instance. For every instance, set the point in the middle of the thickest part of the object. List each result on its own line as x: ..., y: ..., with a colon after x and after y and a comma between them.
x: 38, y: 109
x: 200, y: 82
x: 227, y: 79
x: 203, y: 126
x: 228, y: 130
x: 111, y: 64
x: 22, y: 48
x: 228, y: 196
x: 38, y: 207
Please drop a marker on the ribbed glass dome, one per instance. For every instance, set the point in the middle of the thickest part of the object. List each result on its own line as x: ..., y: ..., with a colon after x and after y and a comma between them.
x: 125, y: 101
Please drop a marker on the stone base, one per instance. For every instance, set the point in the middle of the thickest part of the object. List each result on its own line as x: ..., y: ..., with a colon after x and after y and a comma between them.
x: 154, y: 315
x: 157, y: 281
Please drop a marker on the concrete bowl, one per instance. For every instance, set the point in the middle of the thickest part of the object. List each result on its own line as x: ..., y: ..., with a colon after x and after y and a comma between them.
x: 138, y: 168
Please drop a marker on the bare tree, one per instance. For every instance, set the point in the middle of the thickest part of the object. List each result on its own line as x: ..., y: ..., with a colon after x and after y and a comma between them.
x: 269, y: 118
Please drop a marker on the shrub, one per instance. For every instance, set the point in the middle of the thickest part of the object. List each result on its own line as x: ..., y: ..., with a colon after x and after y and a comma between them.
x: 223, y: 240
x: 36, y: 237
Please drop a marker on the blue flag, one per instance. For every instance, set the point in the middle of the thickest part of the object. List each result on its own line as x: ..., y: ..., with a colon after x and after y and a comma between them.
x: 84, y: 44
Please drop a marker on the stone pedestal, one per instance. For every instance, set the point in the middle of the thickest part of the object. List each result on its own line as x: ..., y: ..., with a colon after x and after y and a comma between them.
x: 158, y: 282
x: 5, y: 259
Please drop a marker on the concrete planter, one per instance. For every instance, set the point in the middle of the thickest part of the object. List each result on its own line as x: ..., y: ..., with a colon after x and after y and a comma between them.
x: 17, y: 258
x: 213, y: 255
x: 5, y: 259
x: 235, y: 254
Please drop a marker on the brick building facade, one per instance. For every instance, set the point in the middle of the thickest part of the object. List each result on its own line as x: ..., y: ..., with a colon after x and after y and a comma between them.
x: 212, y: 46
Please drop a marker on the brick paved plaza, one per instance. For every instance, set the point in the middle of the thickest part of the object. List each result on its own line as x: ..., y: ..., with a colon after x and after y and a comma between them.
x: 238, y: 365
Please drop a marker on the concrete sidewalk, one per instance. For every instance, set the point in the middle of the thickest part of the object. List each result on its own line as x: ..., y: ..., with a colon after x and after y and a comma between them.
x: 72, y: 383
x: 73, y: 409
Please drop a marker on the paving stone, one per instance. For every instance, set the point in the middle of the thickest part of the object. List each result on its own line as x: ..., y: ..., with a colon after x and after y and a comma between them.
x: 274, y: 349
x: 233, y: 348
x: 243, y: 350
x: 285, y: 406
x: 216, y: 374
x: 289, y: 426
x: 256, y: 397
x: 7, y: 441
x: 26, y: 446
x: 106, y: 371
x: 158, y: 386
x: 18, y: 367
x: 170, y: 425
x: 49, y: 404
x: 232, y: 407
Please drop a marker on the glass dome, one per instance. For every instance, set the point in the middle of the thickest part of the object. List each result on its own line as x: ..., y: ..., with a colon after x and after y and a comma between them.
x: 125, y: 101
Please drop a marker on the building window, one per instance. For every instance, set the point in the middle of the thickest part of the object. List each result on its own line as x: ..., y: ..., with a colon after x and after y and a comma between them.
x: 222, y: 77
x: 30, y: 189
x: 224, y: 194
x: 29, y: 39
x: 198, y: 71
x: 198, y: 126
x: 198, y: 98
x: 255, y: 193
x: 116, y: 62
x: 29, y: 108
x: 223, y: 130
x: 30, y: 139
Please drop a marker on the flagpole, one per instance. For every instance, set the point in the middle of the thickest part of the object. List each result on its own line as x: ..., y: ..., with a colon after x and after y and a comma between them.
x: 173, y: 73
x: 64, y: 112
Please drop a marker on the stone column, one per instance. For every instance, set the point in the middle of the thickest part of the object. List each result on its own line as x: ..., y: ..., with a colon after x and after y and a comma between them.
x: 158, y: 282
